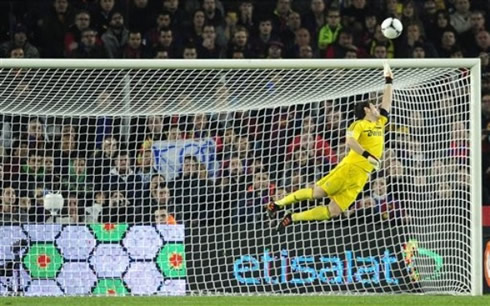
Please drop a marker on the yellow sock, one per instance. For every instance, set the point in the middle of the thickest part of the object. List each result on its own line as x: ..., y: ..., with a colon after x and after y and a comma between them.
x: 318, y: 213
x: 297, y: 196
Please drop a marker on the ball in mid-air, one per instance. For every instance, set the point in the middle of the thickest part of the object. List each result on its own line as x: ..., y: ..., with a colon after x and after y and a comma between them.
x: 391, y: 28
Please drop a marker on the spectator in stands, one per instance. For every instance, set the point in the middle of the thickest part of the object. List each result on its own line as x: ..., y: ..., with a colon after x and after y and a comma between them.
x: 244, y: 149
x: 275, y: 50
x: 154, y: 130
x: 213, y: 15
x: 116, y: 35
x: 226, y: 32
x: 441, y: 24
x: 89, y: 47
x: 315, y: 18
x: 9, y: 205
x: 398, y: 181
x: 294, y: 24
x: 76, y: 179
x: 73, y: 37
x: 123, y: 178
x: 202, y: 128
x: 485, y: 109
x: 174, y: 133
x: 482, y: 42
x: 70, y: 213
x: 259, y: 193
x: 118, y: 210
x: 194, y: 33
x: 380, y: 39
x: 93, y: 212
x: 302, y: 39
x: 384, y: 204
x: 19, y: 153
x: 22, y: 213
x: 306, y: 52
x: 37, y: 213
x: 462, y: 180
x: 134, y: 47
x: 239, y: 43
x: 155, y: 181
x: 459, y: 146
x: 139, y: 12
x: 19, y: 40
x: 35, y: 136
x: 444, y: 192
x: 161, y: 216
x: 163, y: 20
x: 166, y: 43
x: 409, y: 13
x: 52, y: 178
x: 189, y: 52
x: 160, y: 198
x: 281, y: 13
x: 144, y: 164
x: 447, y: 44
x: 190, y: 193
x: 246, y: 17
x: 102, y: 15
x: 208, y: 48
x: 367, y: 35
x: 414, y: 36
x: 310, y: 140
x: 429, y: 16
x: 380, y: 51
x: 344, y: 44
x: 16, y: 52
x: 353, y: 15
x: 52, y: 29
x: 99, y: 165
x: 460, y: 18
x: 178, y: 15
x: 467, y: 38
x: 306, y: 163
x: 485, y: 63
x: 231, y: 188
x: 260, y: 43
x: 32, y: 170
x: 330, y: 32
x: 418, y: 51
x: 393, y: 8
x: 66, y: 149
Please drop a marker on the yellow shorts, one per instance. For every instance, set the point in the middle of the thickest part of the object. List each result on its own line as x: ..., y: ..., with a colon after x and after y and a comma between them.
x: 343, y: 184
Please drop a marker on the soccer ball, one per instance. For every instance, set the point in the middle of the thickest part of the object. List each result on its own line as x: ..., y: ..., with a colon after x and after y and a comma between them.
x: 391, y: 28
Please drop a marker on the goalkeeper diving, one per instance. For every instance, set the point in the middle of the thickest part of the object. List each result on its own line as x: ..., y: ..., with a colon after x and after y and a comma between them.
x: 365, y: 139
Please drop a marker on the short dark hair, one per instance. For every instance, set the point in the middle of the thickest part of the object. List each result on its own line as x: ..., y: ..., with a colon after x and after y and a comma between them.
x: 359, y: 111
x: 122, y: 153
x: 165, y: 29
x: 36, y: 152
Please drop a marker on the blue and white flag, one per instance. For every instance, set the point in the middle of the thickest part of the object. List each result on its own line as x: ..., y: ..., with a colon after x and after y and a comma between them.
x: 169, y: 156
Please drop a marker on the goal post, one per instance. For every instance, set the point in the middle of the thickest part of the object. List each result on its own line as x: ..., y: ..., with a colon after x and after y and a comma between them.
x: 476, y: 189
x: 164, y: 165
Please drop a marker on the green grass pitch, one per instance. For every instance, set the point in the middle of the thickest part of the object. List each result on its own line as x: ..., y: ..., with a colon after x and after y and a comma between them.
x: 395, y: 300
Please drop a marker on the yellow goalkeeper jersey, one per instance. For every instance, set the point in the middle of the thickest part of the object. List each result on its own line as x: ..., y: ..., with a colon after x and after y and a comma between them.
x: 371, y: 136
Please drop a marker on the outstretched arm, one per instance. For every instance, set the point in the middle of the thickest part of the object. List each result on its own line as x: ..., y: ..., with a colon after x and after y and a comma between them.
x: 354, y: 145
x: 388, y: 91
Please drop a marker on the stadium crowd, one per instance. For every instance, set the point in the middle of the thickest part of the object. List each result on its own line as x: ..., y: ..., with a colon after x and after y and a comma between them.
x: 107, y: 176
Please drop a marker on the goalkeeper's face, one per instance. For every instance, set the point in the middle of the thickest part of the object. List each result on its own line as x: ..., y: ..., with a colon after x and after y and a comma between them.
x: 372, y: 111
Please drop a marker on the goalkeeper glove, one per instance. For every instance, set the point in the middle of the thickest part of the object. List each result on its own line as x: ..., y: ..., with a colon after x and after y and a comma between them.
x: 371, y: 159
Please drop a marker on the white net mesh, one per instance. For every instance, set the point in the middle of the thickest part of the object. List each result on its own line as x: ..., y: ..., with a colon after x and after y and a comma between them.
x: 164, y: 174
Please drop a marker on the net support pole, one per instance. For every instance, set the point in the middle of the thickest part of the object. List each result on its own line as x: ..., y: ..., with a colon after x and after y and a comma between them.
x: 476, y: 190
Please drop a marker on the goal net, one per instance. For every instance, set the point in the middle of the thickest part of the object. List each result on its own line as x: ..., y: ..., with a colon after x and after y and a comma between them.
x: 149, y: 178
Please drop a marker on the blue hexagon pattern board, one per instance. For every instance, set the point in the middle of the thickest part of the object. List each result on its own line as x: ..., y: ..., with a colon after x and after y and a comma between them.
x: 97, y: 259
